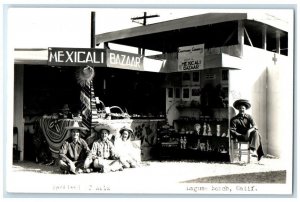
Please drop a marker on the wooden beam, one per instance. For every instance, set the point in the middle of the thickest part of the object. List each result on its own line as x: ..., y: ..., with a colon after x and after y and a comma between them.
x: 277, y: 42
x: 248, y: 37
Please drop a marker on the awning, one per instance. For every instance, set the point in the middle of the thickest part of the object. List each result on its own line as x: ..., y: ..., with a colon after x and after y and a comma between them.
x: 169, y: 35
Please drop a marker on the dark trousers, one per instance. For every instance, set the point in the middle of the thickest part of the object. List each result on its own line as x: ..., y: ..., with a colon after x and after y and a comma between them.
x: 255, y: 142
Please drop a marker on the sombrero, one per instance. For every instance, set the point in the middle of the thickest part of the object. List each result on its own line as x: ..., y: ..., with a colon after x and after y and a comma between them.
x: 65, y: 108
x: 75, y: 126
x: 100, y: 127
x: 240, y: 102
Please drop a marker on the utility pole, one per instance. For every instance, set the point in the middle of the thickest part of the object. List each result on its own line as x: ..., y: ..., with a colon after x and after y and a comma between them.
x: 144, y: 18
x: 89, y: 110
x: 93, y: 29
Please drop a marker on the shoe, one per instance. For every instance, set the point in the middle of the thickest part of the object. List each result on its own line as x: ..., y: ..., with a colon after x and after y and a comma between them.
x: 260, y: 161
x: 132, y: 166
x: 88, y: 170
x: 253, y: 153
x: 79, y: 171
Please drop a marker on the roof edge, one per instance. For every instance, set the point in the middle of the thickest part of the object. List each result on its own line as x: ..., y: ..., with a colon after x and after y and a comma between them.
x: 180, y: 23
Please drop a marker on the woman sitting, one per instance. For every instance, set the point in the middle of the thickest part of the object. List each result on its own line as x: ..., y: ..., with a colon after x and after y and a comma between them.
x: 125, y: 149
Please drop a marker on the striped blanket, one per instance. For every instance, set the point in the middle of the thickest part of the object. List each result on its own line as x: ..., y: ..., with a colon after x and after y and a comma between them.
x: 55, y: 132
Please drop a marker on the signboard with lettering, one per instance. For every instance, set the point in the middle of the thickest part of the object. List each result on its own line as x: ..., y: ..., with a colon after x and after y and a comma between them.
x: 76, y: 57
x: 101, y: 58
x: 125, y: 60
x: 191, y: 58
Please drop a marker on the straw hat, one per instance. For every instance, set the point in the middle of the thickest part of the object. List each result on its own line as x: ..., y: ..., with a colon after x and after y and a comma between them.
x: 75, y: 126
x: 100, y: 127
x: 130, y: 131
x: 240, y: 102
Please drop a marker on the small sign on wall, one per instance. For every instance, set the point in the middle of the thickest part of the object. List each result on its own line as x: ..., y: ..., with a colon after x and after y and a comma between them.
x: 191, y: 58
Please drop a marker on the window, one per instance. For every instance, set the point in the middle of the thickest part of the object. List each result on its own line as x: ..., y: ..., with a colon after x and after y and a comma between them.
x: 196, y: 76
x: 186, y: 77
x: 170, y: 92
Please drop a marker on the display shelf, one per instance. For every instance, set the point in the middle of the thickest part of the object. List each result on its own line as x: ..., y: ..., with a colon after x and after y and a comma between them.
x: 175, y: 153
x: 197, y: 147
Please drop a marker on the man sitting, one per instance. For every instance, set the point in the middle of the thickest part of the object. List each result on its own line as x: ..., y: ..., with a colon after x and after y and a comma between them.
x: 73, y: 152
x: 243, y: 128
x: 103, y: 155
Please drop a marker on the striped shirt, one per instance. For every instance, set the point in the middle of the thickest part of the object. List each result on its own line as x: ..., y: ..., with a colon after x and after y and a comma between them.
x: 102, y: 149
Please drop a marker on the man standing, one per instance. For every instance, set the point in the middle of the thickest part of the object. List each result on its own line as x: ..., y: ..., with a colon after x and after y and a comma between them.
x: 243, y: 128
x: 73, y: 152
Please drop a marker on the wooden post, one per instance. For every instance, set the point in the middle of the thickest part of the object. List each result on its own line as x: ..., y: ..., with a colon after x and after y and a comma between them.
x: 18, y: 107
x: 264, y: 37
x: 278, y: 42
x: 241, y: 35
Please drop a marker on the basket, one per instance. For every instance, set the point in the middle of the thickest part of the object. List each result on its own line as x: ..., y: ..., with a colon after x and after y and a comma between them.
x: 106, y: 113
x: 120, y: 115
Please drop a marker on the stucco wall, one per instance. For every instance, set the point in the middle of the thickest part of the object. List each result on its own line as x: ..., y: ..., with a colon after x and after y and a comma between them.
x: 280, y: 106
x: 268, y: 87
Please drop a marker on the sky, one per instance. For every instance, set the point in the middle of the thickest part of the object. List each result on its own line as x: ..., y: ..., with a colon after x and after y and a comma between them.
x: 70, y: 27
x: 40, y: 28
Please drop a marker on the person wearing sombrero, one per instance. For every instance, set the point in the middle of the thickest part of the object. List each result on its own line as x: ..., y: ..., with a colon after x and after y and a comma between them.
x: 243, y: 128
x: 65, y: 112
x: 125, y: 148
x: 73, y: 151
x: 103, y: 157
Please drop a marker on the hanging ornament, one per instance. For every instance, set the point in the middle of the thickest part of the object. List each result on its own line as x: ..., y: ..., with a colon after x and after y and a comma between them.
x: 85, y: 75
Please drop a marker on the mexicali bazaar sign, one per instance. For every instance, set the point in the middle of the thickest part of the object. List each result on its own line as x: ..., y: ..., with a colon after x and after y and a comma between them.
x: 94, y: 57
x: 191, y: 58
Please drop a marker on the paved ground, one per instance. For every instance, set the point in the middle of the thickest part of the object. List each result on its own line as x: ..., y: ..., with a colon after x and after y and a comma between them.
x: 150, y: 173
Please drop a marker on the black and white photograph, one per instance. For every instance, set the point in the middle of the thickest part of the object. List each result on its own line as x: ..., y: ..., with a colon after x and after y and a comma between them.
x: 149, y: 100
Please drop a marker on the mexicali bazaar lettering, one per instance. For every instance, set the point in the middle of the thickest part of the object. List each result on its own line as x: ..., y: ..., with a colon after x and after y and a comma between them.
x: 124, y: 60
x: 76, y: 56
x: 191, y: 65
